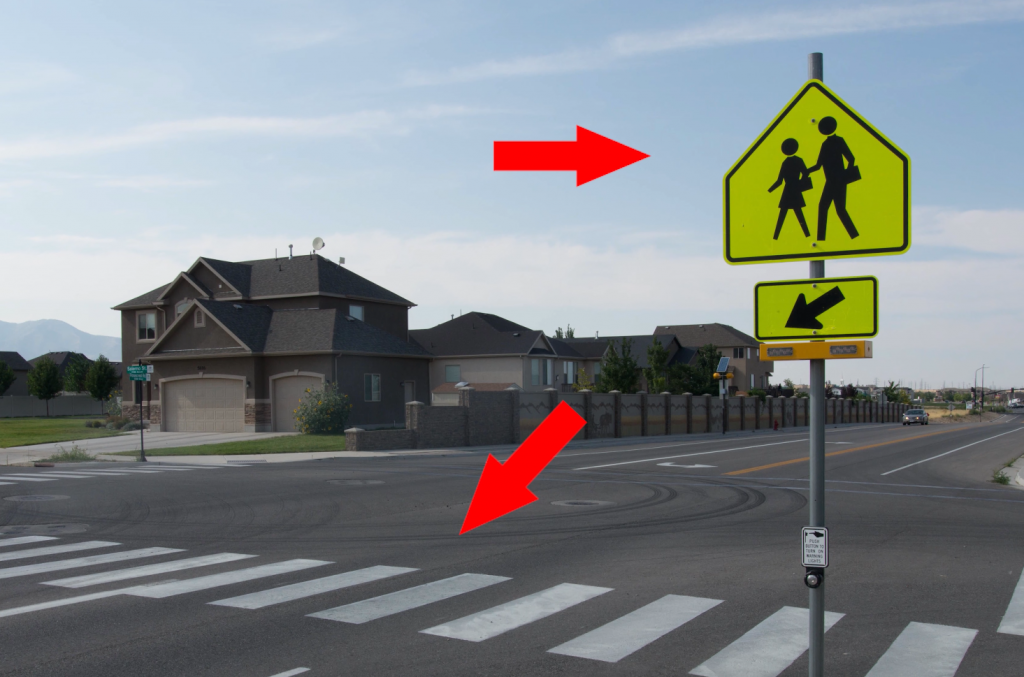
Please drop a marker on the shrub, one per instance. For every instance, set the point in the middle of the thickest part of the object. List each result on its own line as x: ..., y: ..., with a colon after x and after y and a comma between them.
x: 94, y: 424
x: 322, y: 411
x: 74, y: 454
x: 758, y: 393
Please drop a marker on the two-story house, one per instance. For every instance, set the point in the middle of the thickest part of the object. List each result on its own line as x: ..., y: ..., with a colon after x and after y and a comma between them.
x: 234, y: 346
x: 743, y: 350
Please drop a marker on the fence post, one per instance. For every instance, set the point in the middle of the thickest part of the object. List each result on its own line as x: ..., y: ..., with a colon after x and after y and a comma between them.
x: 643, y: 412
x: 667, y: 396
x: 514, y: 397
x: 617, y: 398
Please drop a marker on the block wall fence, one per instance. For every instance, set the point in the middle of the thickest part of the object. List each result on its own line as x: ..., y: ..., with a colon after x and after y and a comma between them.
x: 509, y: 416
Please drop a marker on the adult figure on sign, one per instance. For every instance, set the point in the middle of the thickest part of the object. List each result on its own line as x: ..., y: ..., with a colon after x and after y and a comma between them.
x: 794, y: 174
x: 837, y: 176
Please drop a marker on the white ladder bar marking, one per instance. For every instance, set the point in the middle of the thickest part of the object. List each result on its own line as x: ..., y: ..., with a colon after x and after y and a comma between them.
x: 1013, y: 619
x: 55, y: 550
x: 767, y: 649
x: 288, y: 593
x: 24, y: 540
x: 291, y: 673
x: 60, y: 602
x: 925, y: 650
x: 78, y: 473
x: 91, y: 560
x: 19, y: 478
x: 518, y: 612
x: 614, y: 641
x: 410, y: 598
x: 58, y: 475
x: 146, y: 570
x: 171, y: 588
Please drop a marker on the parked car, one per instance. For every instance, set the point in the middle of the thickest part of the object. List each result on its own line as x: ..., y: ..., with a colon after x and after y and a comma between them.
x: 915, y: 416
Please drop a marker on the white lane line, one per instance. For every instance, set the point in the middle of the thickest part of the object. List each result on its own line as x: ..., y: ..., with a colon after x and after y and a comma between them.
x: 60, y: 602
x: 80, y: 473
x: 68, y: 475
x: 699, y: 453
x: 925, y: 650
x: 171, y: 588
x: 164, y: 468
x: 1013, y: 619
x: 6, y: 482
x: 55, y: 550
x: 25, y: 540
x: 767, y: 649
x: 947, y: 453
x: 288, y: 593
x: 511, y: 615
x: 290, y: 673
x: 30, y: 478
x: 91, y: 560
x: 146, y: 570
x: 127, y: 471
x: 410, y: 598
x: 614, y: 641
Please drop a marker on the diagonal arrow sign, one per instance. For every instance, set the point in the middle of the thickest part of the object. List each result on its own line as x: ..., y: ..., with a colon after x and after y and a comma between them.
x: 805, y: 315
x: 503, y: 486
x: 591, y: 156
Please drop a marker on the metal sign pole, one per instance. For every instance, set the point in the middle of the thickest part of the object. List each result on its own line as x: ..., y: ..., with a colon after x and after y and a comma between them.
x: 816, y: 637
x: 142, y: 425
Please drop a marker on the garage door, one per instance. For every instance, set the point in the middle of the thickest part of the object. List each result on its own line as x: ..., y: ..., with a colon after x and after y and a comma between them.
x: 204, y: 405
x: 288, y: 390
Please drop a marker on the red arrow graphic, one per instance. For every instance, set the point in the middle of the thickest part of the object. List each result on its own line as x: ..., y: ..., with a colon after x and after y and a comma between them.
x: 591, y: 156
x: 502, y: 487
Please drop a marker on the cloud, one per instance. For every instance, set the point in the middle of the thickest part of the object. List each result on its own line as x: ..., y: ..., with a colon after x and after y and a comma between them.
x: 360, y: 124
x: 149, y: 183
x: 735, y: 29
x: 981, y: 231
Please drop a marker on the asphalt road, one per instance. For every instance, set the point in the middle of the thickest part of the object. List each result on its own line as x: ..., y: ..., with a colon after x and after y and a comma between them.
x: 690, y: 557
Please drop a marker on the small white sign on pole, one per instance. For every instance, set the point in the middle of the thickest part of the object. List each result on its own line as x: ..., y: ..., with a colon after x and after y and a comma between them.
x: 815, y: 547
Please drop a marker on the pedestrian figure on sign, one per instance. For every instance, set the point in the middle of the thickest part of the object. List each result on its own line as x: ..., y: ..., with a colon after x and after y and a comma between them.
x: 794, y: 174
x: 837, y: 176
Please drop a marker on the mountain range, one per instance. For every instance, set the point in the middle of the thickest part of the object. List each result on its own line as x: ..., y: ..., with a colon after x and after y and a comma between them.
x: 34, y: 338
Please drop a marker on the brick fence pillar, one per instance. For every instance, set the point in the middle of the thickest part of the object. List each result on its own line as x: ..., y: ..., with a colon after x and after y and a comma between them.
x: 643, y: 412
x: 618, y: 413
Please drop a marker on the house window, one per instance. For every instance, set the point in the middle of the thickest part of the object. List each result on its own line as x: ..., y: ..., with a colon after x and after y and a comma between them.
x: 547, y: 369
x: 200, y: 319
x: 751, y: 380
x: 748, y: 353
x: 147, y: 326
x: 356, y: 312
x: 737, y: 353
x: 570, y: 372
x: 180, y: 308
x: 452, y: 373
x: 535, y: 372
x: 597, y: 369
x: 371, y: 387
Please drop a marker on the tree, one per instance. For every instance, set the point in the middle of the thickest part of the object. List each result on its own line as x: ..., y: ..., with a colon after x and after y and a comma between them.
x: 697, y: 379
x: 656, y: 372
x: 7, y: 377
x: 568, y: 333
x: 101, y: 379
x: 583, y: 381
x: 849, y: 392
x: 74, y: 373
x: 44, y: 381
x: 619, y: 370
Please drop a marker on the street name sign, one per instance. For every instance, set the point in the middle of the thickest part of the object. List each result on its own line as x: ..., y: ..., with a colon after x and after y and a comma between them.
x: 138, y: 372
x: 816, y: 350
x: 821, y: 154
x: 823, y: 308
x: 815, y: 547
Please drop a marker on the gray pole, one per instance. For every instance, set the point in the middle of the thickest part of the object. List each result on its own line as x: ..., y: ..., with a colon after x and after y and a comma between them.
x: 816, y: 662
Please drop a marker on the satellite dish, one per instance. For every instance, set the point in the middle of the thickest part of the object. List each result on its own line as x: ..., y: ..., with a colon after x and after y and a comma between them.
x: 318, y: 244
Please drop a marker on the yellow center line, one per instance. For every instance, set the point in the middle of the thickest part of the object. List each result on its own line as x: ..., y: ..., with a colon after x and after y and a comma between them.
x: 837, y: 453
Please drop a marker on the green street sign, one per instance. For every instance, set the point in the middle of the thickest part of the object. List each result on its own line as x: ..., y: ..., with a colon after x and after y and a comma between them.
x: 826, y: 308
x: 139, y: 372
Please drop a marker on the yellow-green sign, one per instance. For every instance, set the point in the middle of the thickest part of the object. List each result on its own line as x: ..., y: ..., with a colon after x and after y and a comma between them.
x: 826, y: 308
x: 821, y: 182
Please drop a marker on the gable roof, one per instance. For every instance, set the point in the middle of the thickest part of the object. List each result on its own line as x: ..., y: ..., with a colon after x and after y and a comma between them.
x: 702, y: 334
x: 264, y: 278
x: 60, y: 358
x: 15, y: 361
x: 198, y: 286
x: 259, y: 329
x: 595, y: 348
x: 480, y: 334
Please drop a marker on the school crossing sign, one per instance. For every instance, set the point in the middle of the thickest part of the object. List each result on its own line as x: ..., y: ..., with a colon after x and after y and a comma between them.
x: 820, y: 182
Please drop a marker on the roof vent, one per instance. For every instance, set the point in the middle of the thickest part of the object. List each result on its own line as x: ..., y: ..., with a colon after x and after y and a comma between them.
x: 515, y: 333
x: 289, y: 252
x: 341, y: 260
x: 237, y: 305
x: 462, y: 384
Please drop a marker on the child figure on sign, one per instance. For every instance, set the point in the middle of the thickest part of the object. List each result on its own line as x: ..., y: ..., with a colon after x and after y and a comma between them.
x: 794, y: 174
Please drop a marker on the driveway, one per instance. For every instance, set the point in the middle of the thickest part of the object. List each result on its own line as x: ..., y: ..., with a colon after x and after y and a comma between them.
x: 128, y: 442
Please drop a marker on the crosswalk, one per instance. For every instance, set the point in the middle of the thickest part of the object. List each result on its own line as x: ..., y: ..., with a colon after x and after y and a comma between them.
x: 766, y: 649
x: 92, y: 472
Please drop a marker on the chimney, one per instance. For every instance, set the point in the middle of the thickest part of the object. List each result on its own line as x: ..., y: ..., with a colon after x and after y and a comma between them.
x: 289, y: 252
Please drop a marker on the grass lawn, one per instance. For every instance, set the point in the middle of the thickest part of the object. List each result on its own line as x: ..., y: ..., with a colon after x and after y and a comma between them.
x: 15, y: 432
x: 272, y: 445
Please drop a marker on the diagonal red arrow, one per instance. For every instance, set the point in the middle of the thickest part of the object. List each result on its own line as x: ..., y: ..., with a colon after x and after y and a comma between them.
x: 591, y: 156
x: 502, y: 487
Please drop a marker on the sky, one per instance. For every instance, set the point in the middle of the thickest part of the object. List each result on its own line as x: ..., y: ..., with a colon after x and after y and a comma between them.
x: 136, y: 137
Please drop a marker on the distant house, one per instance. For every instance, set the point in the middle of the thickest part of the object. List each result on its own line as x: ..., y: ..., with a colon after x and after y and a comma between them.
x: 478, y: 348
x: 21, y: 368
x: 742, y: 349
x: 61, y: 359
x: 235, y: 345
x: 598, y: 347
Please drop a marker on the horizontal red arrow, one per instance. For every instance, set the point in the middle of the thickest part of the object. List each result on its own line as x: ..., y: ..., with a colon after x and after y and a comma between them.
x: 503, y: 487
x: 591, y: 156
